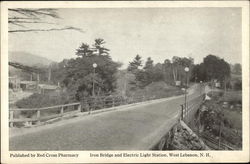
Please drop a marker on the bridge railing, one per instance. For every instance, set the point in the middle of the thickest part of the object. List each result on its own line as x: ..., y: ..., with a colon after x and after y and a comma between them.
x: 189, y: 109
x: 187, y: 114
x: 21, y: 116
x: 41, y: 114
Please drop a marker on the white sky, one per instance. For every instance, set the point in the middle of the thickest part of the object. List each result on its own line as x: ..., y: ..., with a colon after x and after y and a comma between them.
x: 159, y: 33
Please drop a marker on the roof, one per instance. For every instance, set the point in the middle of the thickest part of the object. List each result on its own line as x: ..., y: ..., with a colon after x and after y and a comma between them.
x: 47, y: 86
x: 28, y: 82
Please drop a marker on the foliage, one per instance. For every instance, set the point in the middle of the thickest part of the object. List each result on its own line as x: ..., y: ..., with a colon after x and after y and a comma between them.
x: 212, y: 68
x: 155, y: 90
x: 150, y: 73
x: 167, y: 71
x: 236, y: 69
x: 37, y: 100
x: 84, y: 50
x: 135, y: 64
x: 124, y: 82
x: 99, y: 48
x: 178, y: 65
x: 217, y: 118
x: 238, y: 85
x: 77, y: 75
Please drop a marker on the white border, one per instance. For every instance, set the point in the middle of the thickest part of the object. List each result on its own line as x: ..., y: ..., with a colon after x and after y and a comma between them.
x: 217, y: 156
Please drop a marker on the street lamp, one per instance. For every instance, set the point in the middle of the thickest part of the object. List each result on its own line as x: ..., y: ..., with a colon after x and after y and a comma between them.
x: 186, y: 70
x: 93, y: 91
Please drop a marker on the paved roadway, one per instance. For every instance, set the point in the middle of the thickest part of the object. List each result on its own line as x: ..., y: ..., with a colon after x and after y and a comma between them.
x: 133, y: 128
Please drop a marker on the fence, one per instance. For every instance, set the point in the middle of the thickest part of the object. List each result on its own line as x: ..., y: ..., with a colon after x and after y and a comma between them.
x: 38, y: 115
x: 189, y: 109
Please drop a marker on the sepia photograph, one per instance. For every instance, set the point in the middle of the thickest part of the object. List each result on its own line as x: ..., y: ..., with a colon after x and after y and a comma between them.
x: 155, y: 79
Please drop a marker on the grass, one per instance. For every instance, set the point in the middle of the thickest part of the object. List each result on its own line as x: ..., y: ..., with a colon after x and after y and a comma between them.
x: 235, y: 117
x: 232, y: 96
x: 156, y: 90
x: 231, y: 116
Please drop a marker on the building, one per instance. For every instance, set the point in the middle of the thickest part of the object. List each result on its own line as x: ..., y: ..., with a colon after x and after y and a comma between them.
x: 46, y: 88
x: 14, y: 83
x: 28, y: 85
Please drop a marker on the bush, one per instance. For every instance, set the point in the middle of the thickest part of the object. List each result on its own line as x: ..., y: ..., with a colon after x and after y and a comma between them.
x: 37, y: 100
x: 238, y: 85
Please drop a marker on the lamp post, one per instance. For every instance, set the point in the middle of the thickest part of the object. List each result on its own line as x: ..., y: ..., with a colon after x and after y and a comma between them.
x: 93, y: 89
x: 186, y: 70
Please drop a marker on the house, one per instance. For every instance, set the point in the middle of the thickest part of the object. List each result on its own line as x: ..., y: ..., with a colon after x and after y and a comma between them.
x: 46, y: 88
x: 217, y: 85
x: 28, y: 85
x: 14, y: 83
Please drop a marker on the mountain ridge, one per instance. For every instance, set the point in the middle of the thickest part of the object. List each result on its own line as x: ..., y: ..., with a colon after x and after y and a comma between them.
x: 29, y: 59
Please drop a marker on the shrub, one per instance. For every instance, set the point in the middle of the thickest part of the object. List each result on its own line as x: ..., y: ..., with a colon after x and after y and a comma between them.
x: 37, y: 100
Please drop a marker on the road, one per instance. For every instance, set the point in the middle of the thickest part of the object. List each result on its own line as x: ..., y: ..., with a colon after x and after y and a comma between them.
x: 132, y: 128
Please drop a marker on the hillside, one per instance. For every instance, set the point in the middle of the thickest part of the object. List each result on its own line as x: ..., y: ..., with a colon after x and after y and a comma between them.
x: 28, y: 59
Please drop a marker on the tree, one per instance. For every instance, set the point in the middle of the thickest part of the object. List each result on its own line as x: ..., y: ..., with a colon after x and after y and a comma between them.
x: 216, y: 68
x: 79, y: 75
x: 19, y: 18
x: 167, y: 71
x: 158, y: 72
x: 149, y: 64
x: 176, y: 62
x: 135, y: 64
x: 237, y: 68
x: 178, y: 65
x: 150, y: 73
x: 198, y: 73
x: 99, y: 48
x: 84, y: 50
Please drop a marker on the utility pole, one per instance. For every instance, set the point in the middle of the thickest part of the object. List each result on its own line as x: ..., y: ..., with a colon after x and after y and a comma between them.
x: 49, y: 76
x: 225, y: 85
x: 125, y: 84
x: 201, y: 87
x: 220, y: 135
x: 186, y: 70
x: 93, y: 89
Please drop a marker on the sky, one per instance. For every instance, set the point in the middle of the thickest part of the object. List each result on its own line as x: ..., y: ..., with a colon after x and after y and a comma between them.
x: 159, y: 33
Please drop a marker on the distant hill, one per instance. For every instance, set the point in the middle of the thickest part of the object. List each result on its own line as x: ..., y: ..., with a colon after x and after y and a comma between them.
x: 28, y: 59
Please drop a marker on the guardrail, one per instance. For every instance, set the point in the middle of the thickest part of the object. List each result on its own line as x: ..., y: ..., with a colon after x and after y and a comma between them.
x: 58, y: 110
x: 189, y: 109
x: 187, y: 114
x: 38, y: 115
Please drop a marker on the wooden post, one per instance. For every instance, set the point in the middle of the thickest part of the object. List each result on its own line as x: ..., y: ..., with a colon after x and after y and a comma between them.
x: 187, y: 110
x: 182, y: 113
x: 113, y: 102
x: 219, y: 136
x: 38, y: 116
x: 11, y: 118
x: 61, y: 112
x: 79, y: 108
